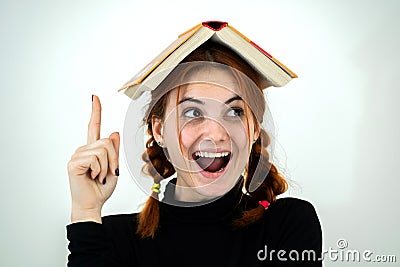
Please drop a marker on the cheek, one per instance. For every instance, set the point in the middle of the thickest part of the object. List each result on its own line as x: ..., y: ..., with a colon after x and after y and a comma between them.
x: 188, y: 136
x: 170, y: 135
x: 241, y: 140
x: 238, y: 136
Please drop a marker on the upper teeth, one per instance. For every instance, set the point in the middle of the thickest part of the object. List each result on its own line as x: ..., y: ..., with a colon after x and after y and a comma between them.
x: 211, y: 154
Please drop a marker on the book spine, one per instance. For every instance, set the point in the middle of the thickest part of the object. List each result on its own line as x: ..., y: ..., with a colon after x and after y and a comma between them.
x: 215, y: 25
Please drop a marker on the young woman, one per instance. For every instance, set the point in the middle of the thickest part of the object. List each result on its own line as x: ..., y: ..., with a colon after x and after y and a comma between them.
x: 205, y: 126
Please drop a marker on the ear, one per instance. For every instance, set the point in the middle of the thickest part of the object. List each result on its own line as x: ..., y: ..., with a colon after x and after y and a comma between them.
x: 256, y: 131
x: 157, y: 128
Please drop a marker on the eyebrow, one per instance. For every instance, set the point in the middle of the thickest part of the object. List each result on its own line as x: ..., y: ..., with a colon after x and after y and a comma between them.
x: 191, y: 99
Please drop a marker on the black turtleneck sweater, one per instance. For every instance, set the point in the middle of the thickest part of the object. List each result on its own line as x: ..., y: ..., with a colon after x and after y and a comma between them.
x: 288, y: 235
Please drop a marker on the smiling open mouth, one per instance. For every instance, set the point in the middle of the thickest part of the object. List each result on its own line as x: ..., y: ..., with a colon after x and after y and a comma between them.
x: 212, y: 162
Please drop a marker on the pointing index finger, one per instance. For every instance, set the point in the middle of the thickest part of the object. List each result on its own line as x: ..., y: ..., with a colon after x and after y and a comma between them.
x: 95, y: 121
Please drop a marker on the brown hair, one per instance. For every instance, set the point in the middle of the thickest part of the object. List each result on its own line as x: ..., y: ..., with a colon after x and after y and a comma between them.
x: 156, y: 163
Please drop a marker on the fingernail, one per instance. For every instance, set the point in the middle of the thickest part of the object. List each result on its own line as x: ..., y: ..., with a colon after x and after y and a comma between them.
x: 104, y: 180
x: 117, y: 172
x: 92, y: 97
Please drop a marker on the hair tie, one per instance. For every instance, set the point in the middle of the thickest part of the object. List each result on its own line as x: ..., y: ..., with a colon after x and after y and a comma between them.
x: 264, y: 203
x: 156, y: 188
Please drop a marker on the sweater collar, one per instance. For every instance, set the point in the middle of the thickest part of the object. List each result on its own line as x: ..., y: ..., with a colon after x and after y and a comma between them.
x: 217, y: 209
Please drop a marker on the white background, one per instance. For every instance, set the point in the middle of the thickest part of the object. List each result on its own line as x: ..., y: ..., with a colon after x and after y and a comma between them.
x: 338, y: 123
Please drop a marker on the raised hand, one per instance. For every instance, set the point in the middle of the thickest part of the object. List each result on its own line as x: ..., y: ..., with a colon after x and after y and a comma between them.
x: 93, y: 170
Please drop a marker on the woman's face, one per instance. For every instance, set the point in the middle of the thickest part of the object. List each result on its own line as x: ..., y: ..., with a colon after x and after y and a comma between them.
x: 208, y: 136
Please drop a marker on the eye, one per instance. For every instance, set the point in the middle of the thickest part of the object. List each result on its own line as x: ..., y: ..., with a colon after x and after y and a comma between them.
x: 192, y: 113
x: 235, y: 112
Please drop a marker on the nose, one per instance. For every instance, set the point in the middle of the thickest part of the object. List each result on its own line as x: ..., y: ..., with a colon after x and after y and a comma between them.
x: 215, y: 131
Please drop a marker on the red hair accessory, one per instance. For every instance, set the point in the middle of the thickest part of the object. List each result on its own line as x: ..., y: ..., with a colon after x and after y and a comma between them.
x: 264, y: 203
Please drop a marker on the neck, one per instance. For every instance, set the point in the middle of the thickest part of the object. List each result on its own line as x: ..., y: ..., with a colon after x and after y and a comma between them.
x: 188, y: 193
x: 198, y: 191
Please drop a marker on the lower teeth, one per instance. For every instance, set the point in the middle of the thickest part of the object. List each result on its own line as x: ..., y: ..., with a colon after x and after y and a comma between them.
x: 220, y: 170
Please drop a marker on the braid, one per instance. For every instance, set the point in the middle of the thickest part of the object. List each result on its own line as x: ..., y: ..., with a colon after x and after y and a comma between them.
x: 273, y: 185
x: 156, y: 166
x: 156, y: 163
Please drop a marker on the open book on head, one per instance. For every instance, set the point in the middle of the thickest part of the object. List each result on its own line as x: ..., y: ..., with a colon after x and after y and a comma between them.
x: 271, y: 71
